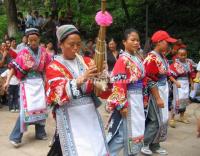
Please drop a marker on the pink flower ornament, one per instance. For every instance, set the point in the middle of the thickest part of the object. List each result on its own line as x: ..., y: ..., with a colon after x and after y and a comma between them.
x: 103, y: 19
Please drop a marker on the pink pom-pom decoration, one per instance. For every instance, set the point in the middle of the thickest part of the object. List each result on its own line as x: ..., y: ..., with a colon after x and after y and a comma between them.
x: 103, y: 19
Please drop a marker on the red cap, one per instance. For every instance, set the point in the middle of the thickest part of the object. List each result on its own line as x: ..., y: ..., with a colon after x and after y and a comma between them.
x: 162, y: 35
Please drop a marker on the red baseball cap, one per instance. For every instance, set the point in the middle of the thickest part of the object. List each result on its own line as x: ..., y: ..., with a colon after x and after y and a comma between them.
x: 162, y: 36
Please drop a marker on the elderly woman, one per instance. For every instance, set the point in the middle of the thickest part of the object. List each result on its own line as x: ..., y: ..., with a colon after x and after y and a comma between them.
x: 28, y: 67
x: 70, y: 92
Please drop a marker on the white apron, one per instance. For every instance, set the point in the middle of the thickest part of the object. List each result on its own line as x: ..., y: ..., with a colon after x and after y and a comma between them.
x: 80, y: 130
x: 162, y: 113
x: 181, y: 95
x: 32, y: 102
x: 164, y: 94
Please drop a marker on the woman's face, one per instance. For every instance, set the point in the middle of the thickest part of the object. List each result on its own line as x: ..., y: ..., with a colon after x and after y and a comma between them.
x: 132, y: 43
x: 70, y: 46
x: 24, y: 40
x: 7, y: 44
x: 112, y: 45
x: 33, y: 41
x: 182, y: 54
x: 13, y: 44
x: 50, y: 45
x: 3, y: 46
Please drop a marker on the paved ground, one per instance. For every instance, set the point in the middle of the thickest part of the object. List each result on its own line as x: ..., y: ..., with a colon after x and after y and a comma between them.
x: 182, y: 140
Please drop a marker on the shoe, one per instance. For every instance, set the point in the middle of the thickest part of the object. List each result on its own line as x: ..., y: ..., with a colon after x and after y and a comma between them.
x: 161, y: 151
x: 145, y: 150
x: 16, y: 110
x: 195, y: 100
x: 12, y: 110
x: 172, y: 123
x: 42, y: 138
x: 15, y: 144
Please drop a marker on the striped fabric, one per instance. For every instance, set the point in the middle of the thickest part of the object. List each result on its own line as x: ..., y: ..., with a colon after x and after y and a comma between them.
x: 31, y: 31
x: 65, y: 30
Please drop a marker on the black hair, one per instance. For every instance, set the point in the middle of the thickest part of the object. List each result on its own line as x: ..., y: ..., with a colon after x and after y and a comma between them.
x: 8, y: 39
x: 112, y: 39
x: 12, y: 39
x: 63, y: 39
x: 127, y: 32
x: 19, y: 14
x: 89, y: 40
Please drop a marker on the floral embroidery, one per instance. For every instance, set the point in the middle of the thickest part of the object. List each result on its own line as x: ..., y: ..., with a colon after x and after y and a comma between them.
x: 179, y: 68
x: 28, y: 60
x: 134, y: 71
x: 118, y: 98
x: 60, y: 69
x: 161, y: 67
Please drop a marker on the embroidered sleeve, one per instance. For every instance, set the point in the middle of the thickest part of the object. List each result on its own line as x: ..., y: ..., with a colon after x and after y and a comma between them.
x: 118, y: 98
x: 22, y: 64
x: 151, y: 68
x: 58, y: 90
x: 173, y: 70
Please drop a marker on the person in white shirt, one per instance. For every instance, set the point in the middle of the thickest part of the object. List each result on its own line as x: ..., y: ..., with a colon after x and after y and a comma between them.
x: 13, y: 92
x: 23, y: 44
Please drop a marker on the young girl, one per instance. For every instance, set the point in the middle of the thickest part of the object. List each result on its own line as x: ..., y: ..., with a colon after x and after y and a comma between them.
x: 181, y: 70
x: 156, y: 67
x: 127, y: 123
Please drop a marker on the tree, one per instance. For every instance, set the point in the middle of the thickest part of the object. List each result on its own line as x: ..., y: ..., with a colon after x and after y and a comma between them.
x: 11, y: 13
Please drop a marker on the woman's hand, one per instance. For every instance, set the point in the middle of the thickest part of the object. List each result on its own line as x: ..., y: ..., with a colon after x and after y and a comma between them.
x: 108, y: 108
x: 160, y: 103
x: 5, y: 53
x: 5, y: 86
x: 178, y: 85
x: 90, y: 73
x: 124, y: 112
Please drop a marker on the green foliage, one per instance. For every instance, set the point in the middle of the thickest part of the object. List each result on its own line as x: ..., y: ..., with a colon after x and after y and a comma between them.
x: 180, y: 18
x: 3, y: 26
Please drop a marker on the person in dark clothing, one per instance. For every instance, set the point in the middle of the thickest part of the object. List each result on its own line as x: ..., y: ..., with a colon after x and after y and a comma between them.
x: 112, y: 54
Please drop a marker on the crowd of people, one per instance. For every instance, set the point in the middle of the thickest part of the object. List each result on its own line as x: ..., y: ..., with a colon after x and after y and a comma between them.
x: 145, y: 93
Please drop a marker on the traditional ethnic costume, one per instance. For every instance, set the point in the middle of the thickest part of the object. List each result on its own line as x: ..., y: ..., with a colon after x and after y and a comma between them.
x: 182, y: 72
x: 156, y: 67
x: 29, y: 67
x: 79, y: 127
x: 128, y: 78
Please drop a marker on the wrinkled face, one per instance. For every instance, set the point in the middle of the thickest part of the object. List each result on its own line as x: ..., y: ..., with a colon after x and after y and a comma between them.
x: 112, y: 45
x: 132, y: 43
x: 70, y: 46
x: 182, y: 54
x: 33, y: 41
